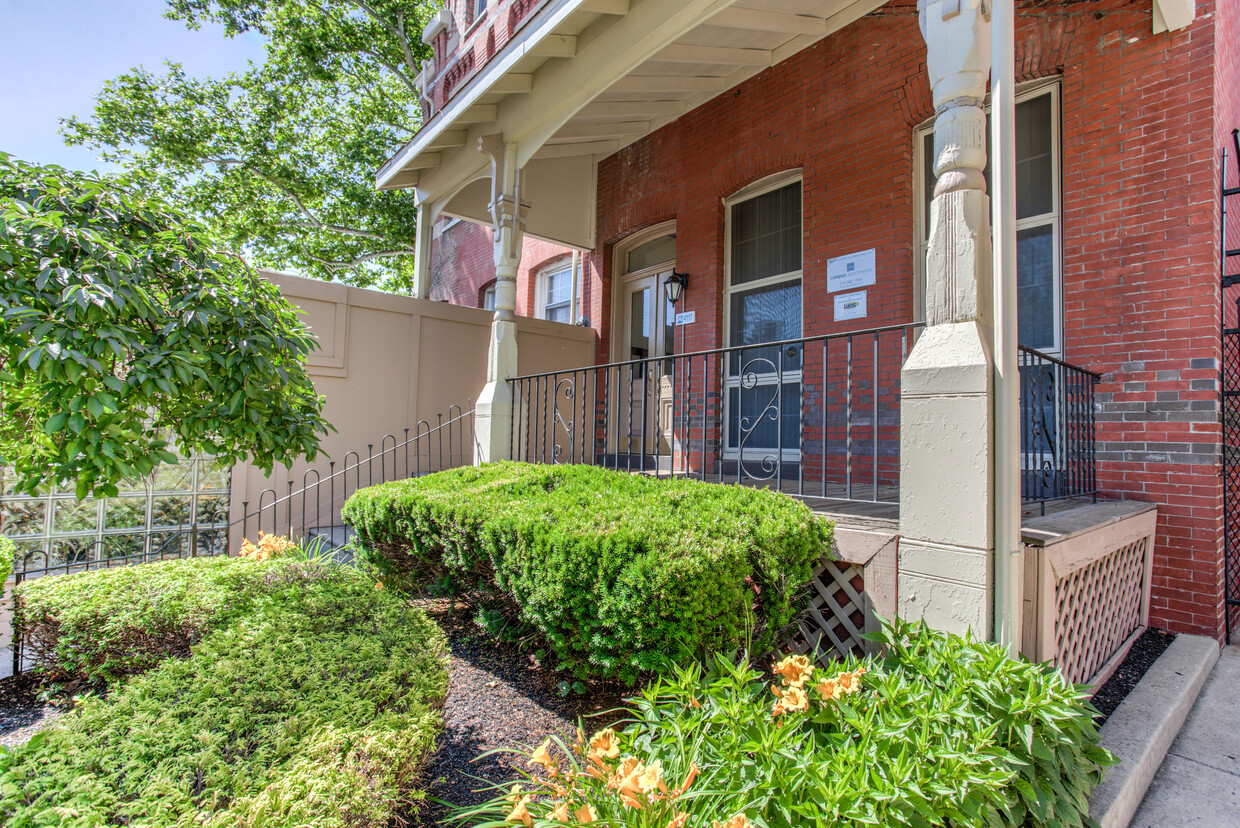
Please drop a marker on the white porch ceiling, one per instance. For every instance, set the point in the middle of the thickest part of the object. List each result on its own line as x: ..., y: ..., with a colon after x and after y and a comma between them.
x: 585, y: 78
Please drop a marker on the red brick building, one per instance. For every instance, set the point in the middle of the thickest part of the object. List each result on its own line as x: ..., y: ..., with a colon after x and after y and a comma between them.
x: 762, y: 149
x: 463, y: 273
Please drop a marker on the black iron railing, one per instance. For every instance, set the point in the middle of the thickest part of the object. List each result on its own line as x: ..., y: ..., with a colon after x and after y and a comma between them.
x: 1057, y: 439
x: 303, y: 511
x: 815, y: 417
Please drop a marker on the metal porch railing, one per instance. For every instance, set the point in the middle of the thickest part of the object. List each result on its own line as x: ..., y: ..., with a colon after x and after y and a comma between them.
x: 303, y: 511
x: 814, y: 417
x: 1057, y: 429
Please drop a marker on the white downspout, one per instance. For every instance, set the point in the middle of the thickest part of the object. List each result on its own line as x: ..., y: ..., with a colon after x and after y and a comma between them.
x: 576, y: 313
x: 1009, y: 562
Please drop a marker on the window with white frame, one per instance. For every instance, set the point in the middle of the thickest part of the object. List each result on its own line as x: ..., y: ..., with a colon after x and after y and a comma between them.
x: 763, y: 304
x: 1039, y: 277
x: 488, y: 297
x: 555, y: 292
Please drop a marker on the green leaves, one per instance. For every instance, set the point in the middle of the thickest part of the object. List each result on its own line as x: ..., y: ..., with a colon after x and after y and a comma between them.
x: 935, y: 737
x: 620, y: 573
x: 314, y: 704
x: 113, y: 305
x: 280, y: 159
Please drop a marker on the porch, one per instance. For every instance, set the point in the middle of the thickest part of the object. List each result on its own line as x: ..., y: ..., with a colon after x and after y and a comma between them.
x: 817, y: 418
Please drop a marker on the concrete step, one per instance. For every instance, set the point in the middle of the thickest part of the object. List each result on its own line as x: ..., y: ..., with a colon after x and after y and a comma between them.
x: 1144, y: 726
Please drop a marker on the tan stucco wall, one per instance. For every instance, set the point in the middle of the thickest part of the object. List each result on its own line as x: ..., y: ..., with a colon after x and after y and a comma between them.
x: 384, y: 363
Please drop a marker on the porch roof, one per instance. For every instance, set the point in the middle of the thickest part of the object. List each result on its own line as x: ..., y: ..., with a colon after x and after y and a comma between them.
x: 584, y: 78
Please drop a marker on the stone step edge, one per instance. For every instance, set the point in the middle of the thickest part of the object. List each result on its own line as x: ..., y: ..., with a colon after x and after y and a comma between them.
x: 1142, y: 728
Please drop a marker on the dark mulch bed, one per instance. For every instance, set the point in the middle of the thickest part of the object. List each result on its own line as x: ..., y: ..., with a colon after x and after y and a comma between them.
x: 1144, y: 652
x: 23, y: 713
x: 499, y: 696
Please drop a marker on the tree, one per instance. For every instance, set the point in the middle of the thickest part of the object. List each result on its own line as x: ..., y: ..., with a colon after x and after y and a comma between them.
x: 125, y: 326
x: 280, y: 160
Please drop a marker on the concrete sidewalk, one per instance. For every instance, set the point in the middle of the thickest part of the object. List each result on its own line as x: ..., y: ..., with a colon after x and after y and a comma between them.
x: 1198, y: 783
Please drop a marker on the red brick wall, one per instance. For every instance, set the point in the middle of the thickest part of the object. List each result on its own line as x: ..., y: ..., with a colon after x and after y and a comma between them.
x: 463, y: 265
x: 1139, y: 225
x: 478, y: 40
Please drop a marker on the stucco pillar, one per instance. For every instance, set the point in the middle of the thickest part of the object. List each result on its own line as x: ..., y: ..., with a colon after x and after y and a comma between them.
x: 493, y: 423
x: 947, y: 395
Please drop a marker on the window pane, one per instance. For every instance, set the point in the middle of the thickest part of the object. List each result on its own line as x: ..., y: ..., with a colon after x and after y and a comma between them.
x: 928, y: 178
x: 559, y: 314
x: 559, y: 287
x: 768, y: 314
x: 766, y: 235
x: 653, y: 252
x: 125, y: 513
x: 22, y: 517
x: 75, y: 515
x: 1034, y: 145
x: 1035, y: 274
x: 488, y: 299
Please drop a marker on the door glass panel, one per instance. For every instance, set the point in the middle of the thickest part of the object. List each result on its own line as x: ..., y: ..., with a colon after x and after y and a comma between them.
x: 640, y: 327
x: 1035, y: 292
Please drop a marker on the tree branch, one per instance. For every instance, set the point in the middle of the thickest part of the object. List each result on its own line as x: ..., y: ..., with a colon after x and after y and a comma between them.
x: 360, y: 260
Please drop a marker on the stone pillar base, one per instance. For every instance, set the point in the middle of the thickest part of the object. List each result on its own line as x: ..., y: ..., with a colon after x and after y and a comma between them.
x: 946, y: 510
x: 493, y: 415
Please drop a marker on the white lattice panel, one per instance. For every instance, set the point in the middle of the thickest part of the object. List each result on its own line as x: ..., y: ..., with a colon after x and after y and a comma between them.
x: 835, y: 619
x: 1098, y: 607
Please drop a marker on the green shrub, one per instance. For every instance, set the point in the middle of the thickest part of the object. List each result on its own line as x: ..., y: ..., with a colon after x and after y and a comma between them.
x: 318, y: 707
x: 617, y: 571
x: 110, y: 623
x: 942, y: 731
x: 7, y: 553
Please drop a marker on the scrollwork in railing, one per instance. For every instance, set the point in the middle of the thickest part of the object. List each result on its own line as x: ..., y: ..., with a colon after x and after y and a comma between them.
x: 769, y: 463
x: 568, y: 387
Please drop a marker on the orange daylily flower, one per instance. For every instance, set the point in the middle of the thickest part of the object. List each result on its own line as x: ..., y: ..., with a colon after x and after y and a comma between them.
x: 795, y: 669
x: 791, y: 700
x: 694, y: 770
x: 521, y: 812
x: 586, y: 814
x: 678, y: 821
x: 738, y: 821
x: 542, y: 756
x: 652, y: 777
x: 829, y: 689
x: 606, y: 743
x: 560, y: 814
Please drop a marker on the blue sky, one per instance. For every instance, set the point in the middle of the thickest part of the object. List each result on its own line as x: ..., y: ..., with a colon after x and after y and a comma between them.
x: 56, y: 54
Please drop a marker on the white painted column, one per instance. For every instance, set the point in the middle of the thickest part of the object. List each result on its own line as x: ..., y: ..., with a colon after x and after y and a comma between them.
x: 947, y: 394
x: 1009, y: 551
x: 493, y: 423
x: 423, y: 238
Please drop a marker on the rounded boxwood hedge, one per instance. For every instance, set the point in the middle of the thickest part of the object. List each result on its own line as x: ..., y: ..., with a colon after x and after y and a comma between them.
x: 317, y: 706
x: 618, y: 572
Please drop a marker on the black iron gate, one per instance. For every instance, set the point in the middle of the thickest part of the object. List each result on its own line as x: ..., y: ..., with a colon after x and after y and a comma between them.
x: 1229, y: 389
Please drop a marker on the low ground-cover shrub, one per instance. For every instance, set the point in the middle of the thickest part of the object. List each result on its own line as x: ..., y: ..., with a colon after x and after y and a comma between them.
x: 101, y: 626
x: 617, y: 571
x: 941, y: 731
x: 316, y: 707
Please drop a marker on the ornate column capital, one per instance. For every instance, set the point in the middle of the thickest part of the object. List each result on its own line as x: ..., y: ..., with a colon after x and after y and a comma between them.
x: 507, y: 219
